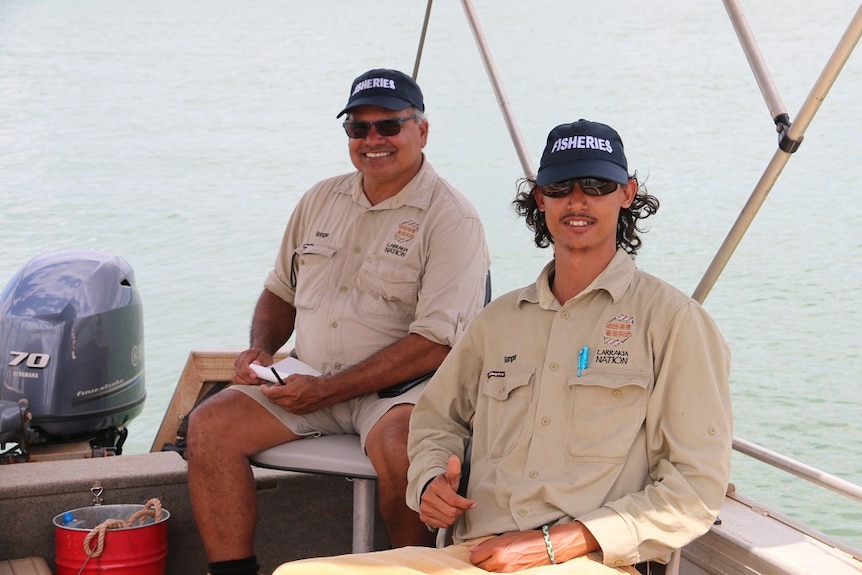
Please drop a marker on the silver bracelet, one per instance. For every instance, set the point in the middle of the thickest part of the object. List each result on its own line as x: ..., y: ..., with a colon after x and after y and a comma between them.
x: 547, y: 535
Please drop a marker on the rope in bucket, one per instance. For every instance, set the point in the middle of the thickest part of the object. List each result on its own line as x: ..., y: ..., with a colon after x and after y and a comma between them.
x: 152, y: 508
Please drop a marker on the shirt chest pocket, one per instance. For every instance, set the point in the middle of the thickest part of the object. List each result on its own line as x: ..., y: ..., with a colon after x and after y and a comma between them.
x: 311, y: 274
x: 388, y: 290
x: 505, y: 400
x: 606, y: 412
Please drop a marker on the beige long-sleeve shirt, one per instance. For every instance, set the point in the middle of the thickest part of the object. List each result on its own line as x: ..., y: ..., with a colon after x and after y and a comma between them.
x: 636, y: 445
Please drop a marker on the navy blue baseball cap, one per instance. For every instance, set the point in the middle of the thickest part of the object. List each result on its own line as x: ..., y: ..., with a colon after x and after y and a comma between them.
x: 385, y: 88
x: 583, y: 149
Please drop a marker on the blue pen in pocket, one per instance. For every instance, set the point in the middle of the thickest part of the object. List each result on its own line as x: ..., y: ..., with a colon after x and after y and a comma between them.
x: 583, y: 358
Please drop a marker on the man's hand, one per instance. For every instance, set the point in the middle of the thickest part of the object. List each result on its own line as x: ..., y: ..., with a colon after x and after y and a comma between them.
x: 441, y: 505
x: 510, y: 552
x: 522, y: 549
x: 243, y: 374
x: 300, y: 394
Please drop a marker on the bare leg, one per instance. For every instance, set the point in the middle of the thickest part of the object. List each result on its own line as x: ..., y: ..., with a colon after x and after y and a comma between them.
x: 224, y: 431
x: 386, y: 445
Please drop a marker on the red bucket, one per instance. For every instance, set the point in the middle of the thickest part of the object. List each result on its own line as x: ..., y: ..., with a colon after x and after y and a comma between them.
x: 141, y: 549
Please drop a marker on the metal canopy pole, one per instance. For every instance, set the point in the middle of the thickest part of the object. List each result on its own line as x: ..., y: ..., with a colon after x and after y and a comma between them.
x: 502, y: 100
x: 755, y: 58
x: 782, y: 155
x: 422, y: 40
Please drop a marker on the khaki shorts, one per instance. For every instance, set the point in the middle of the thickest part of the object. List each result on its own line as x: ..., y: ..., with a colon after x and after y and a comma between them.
x: 355, y: 416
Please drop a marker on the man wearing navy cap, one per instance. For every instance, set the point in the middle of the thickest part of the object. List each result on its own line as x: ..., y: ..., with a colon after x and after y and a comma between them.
x: 597, y: 399
x: 378, y: 274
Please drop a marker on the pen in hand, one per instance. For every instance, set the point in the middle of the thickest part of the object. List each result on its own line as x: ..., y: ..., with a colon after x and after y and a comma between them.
x: 278, y: 377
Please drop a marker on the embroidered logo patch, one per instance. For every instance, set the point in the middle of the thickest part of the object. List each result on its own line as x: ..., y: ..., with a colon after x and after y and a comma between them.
x: 618, y: 329
x: 406, y: 231
x: 404, y: 234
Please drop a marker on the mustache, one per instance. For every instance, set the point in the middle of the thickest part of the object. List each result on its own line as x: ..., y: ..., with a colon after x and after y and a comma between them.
x: 579, y: 215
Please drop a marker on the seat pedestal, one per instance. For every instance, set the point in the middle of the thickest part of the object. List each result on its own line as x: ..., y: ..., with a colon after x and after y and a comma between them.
x: 339, y: 455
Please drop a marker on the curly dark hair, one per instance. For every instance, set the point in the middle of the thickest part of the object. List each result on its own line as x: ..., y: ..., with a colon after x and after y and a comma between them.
x: 643, y: 206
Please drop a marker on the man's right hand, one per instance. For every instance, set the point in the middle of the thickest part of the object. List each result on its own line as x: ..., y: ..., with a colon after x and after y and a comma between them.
x: 441, y: 505
x: 243, y: 374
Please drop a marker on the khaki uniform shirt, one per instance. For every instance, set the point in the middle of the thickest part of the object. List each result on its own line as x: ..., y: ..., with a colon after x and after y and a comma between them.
x: 636, y: 445
x: 362, y: 277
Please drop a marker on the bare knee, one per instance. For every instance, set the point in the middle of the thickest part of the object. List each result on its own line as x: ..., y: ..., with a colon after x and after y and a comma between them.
x: 386, y: 444
x: 233, y: 423
x: 209, y: 419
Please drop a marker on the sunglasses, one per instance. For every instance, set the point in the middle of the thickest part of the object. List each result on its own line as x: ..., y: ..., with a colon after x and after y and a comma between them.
x: 386, y: 128
x: 590, y: 186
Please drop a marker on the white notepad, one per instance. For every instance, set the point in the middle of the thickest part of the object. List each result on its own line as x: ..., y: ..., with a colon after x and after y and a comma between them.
x: 285, y: 367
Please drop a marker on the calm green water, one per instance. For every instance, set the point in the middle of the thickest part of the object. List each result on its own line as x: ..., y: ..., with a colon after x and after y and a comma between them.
x: 180, y: 134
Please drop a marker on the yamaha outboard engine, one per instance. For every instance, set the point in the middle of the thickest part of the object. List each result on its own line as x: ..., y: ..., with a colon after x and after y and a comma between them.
x: 71, y: 353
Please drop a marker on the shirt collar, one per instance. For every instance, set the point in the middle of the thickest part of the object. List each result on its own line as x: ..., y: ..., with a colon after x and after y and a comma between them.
x: 614, y: 279
x: 416, y: 193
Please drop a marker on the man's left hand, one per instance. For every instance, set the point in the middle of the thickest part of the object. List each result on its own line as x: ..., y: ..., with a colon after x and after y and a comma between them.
x: 510, y: 552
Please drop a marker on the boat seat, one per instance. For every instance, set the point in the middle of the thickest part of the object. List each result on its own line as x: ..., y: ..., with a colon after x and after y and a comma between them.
x: 332, y: 455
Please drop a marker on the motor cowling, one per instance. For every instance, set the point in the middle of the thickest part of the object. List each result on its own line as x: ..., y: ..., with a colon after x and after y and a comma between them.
x: 72, y: 345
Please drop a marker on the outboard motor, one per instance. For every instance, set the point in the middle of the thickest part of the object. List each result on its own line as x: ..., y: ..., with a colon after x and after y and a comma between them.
x: 71, y: 353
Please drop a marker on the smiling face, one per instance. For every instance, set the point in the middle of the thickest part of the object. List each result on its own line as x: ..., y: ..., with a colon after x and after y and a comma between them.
x: 387, y: 163
x: 585, y: 224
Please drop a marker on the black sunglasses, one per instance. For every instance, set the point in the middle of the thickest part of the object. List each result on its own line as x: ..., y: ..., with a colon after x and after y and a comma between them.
x: 386, y: 128
x: 590, y: 186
